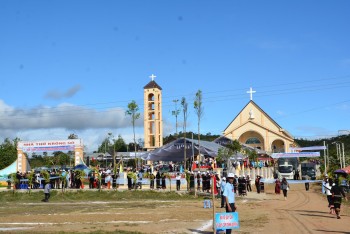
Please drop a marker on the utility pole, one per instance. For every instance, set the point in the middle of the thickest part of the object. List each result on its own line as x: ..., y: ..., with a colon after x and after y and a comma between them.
x: 107, y: 142
x: 340, y: 155
x: 176, y: 113
x: 338, y: 146
x: 114, y: 155
x: 106, y: 152
x: 344, y: 165
x: 325, y: 158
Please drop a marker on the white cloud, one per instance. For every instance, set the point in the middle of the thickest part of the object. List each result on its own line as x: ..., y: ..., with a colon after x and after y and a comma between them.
x: 59, y: 122
x: 65, y: 116
x: 56, y: 123
x: 57, y: 95
x: 310, y: 131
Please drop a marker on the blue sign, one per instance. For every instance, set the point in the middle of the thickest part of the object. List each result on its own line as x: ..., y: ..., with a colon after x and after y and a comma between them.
x: 225, y: 221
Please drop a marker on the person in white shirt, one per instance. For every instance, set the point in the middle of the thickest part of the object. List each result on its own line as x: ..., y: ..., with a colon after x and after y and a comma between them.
x: 178, y: 181
x: 222, y: 187
x: 229, y: 194
x: 328, y: 186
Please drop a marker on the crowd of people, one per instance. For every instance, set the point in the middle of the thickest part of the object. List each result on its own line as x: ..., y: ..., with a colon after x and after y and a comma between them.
x: 63, y: 179
x: 37, y: 179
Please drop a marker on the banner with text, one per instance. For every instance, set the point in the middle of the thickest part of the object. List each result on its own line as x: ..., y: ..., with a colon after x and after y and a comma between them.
x: 308, y: 148
x: 296, y: 155
x: 52, y: 145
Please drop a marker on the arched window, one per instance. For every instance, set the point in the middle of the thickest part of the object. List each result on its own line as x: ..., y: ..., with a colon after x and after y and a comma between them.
x: 253, y: 140
x: 151, y: 97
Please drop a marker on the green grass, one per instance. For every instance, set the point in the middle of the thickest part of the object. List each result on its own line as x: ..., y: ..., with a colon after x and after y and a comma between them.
x: 87, y: 195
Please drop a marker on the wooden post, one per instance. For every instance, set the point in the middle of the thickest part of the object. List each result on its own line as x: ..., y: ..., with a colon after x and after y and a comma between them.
x: 212, y: 182
x: 195, y: 188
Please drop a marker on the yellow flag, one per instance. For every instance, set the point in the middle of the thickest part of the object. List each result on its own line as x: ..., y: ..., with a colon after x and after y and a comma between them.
x: 121, y: 167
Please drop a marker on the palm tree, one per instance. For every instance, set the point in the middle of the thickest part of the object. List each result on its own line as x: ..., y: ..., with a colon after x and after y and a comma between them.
x: 199, y: 111
x: 234, y: 148
x: 228, y: 151
x: 132, y: 111
x: 167, y: 175
x: 30, y: 178
x: 80, y: 175
x: 64, y: 181
x: 14, y: 181
x: 252, y: 155
x: 99, y: 178
x: 46, y: 176
x: 188, y: 179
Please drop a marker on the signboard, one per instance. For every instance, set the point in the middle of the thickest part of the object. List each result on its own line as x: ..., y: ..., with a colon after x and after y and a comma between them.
x: 296, y: 155
x: 308, y: 148
x: 225, y: 221
x: 53, y: 145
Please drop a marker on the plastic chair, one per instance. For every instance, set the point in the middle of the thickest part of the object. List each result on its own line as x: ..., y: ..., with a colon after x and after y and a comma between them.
x: 206, y: 204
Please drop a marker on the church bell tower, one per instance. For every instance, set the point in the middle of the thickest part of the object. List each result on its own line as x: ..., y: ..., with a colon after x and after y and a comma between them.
x: 153, y: 122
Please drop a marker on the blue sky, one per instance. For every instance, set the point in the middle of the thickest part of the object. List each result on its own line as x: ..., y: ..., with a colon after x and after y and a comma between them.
x: 73, y: 66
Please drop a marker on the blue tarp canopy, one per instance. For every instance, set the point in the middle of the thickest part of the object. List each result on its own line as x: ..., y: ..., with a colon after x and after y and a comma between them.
x: 174, y: 151
x: 83, y: 167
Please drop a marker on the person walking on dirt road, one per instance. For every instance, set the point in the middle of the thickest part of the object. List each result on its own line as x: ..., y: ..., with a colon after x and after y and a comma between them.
x: 257, y: 184
x: 337, y: 193
x: 330, y: 199
x: 285, y: 187
x: 229, y: 194
x: 278, y: 186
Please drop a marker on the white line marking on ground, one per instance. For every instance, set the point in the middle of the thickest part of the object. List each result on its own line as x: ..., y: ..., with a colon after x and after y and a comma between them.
x: 71, y: 223
x: 205, y: 226
x: 165, y: 220
x: 15, y: 228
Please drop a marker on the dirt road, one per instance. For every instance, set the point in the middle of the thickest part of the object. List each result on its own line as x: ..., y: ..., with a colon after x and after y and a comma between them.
x: 302, y: 212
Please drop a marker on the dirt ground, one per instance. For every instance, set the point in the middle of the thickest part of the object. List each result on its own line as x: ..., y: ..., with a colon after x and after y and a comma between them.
x: 303, y: 212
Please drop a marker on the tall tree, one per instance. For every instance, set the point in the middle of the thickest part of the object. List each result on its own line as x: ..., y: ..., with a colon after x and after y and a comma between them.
x: 199, y: 111
x: 184, y: 110
x: 120, y: 145
x: 73, y: 136
x: 8, y: 152
x: 104, y: 147
x: 228, y: 151
x: 132, y: 111
x: 252, y: 155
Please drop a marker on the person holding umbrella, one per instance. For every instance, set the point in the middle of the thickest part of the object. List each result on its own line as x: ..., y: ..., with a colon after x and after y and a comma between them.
x: 337, y: 194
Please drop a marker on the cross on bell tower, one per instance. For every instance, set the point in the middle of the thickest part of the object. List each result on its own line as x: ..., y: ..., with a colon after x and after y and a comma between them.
x: 152, y: 77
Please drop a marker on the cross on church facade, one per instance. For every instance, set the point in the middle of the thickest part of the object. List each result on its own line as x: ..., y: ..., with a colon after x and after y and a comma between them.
x: 152, y: 77
x: 251, y: 93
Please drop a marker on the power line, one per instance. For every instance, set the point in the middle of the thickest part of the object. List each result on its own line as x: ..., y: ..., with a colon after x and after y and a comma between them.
x: 237, y: 94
